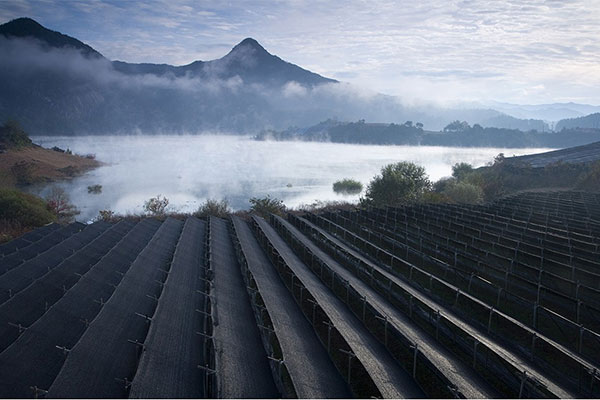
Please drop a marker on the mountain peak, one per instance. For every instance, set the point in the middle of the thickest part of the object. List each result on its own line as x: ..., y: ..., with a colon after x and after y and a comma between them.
x: 249, y: 45
x: 29, y: 28
x: 251, y: 42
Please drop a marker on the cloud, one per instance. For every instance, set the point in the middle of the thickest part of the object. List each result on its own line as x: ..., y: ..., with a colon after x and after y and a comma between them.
x: 483, y: 47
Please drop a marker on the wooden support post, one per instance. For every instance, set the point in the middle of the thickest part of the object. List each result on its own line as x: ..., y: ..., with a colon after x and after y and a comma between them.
x: 456, y: 298
x: 279, y: 364
x: 580, y: 344
x: 385, y: 328
x: 350, y: 355
x: 20, y: 327
x: 37, y: 392
x: 314, y: 304
x: 523, y: 380
x: 415, y: 354
x: 470, y: 282
x: 437, y: 324
x: 64, y: 350
x: 329, y: 326
x: 364, y: 307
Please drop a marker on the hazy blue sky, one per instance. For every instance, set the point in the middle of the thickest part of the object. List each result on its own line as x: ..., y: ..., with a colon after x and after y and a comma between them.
x: 517, y: 51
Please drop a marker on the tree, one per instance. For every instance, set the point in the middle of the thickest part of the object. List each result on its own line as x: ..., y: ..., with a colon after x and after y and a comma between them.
x: 419, y: 125
x: 457, y: 126
x: 156, y: 205
x: 399, y: 184
x: 461, y: 170
x: 59, y: 204
x: 499, y: 159
x: 13, y: 135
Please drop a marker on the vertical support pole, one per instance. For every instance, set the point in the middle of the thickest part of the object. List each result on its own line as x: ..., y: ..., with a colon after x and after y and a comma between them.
x: 523, y: 380
x: 364, y: 307
x: 580, y: 344
x: 350, y: 355
x: 415, y: 353
x: 470, y: 282
x: 329, y: 326
x: 385, y: 328
x: 314, y: 310
x: 437, y: 324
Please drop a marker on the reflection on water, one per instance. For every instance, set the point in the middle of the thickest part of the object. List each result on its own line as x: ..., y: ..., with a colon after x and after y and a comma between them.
x: 190, y: 169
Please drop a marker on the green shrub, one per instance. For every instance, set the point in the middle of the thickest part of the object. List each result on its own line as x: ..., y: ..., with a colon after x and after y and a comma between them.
x: 24, y: 208
x: 463, y: 192
x: 267, y: 205
x: 216, y: 208
x: 443, y: 183
x: 347, y: 186
x: 590, y: 180
x: 400, y: 183
x: 434, y: 197
x: 94, y: 189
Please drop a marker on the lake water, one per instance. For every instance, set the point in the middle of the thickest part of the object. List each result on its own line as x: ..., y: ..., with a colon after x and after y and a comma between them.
x: 190, y: 169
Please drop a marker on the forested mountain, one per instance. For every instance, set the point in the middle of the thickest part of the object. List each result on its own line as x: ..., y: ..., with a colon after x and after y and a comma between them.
x: 591, y: 121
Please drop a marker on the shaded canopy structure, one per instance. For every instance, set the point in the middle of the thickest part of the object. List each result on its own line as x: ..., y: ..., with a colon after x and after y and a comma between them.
x: 430, y: 300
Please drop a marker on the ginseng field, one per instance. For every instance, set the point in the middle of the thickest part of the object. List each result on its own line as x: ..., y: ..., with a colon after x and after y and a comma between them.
x: 430, y: 300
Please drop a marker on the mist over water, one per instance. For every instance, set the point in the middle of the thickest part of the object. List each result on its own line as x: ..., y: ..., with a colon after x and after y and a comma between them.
x: 190, y: 169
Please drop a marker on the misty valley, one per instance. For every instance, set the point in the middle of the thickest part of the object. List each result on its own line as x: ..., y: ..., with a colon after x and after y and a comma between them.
x: 189, y: 169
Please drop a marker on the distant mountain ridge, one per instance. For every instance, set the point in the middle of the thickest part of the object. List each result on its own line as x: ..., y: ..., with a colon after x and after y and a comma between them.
x: 265, y: 66
x: 547, y: 112
x: 28, y: 28
x: 591, y: 121
x: 55, y: 84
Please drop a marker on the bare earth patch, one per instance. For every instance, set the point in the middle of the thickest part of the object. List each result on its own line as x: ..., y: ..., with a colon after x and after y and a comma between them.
x: 36, y: 164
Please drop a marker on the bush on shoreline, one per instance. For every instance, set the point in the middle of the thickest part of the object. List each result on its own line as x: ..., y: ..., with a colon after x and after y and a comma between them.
x: 21, y: 212
x: 216, y: 208
x: 347, y: 186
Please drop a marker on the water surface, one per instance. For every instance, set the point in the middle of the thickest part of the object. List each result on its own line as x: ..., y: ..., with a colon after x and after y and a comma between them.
x: 190, y: 169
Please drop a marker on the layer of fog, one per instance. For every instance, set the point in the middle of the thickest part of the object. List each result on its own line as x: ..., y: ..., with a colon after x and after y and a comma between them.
x: 60, y: 91
x: 190, y: 169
